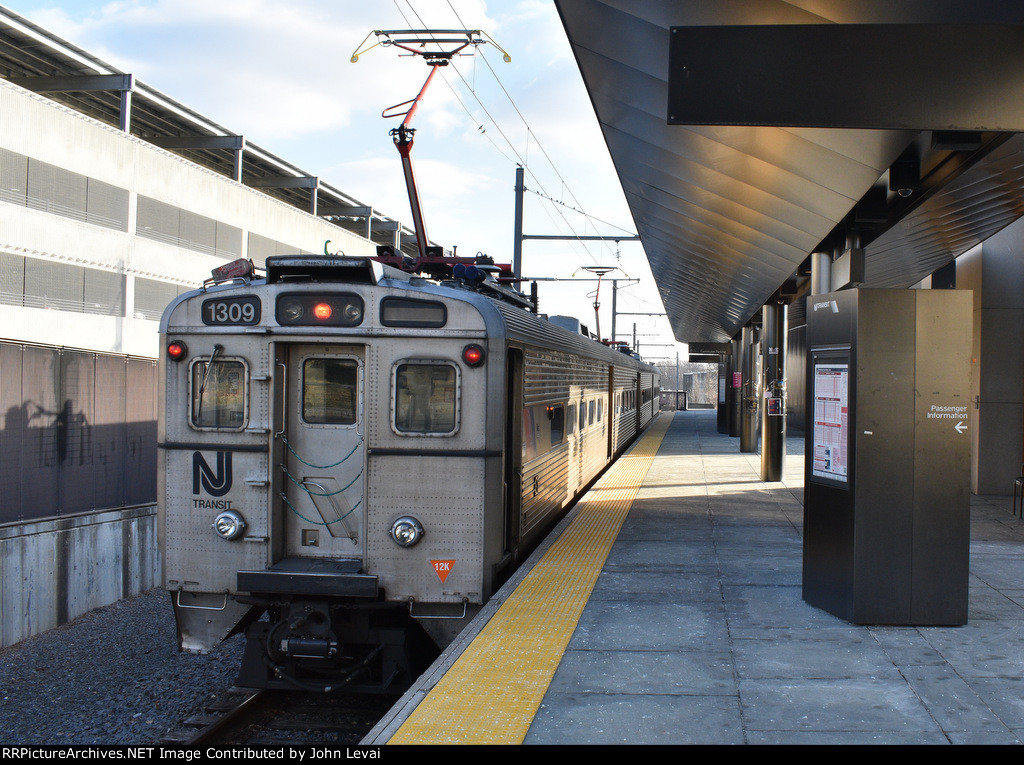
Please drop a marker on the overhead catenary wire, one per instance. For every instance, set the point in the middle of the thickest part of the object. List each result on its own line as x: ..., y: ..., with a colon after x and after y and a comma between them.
x: 519, y: 156
x: 555, y: 210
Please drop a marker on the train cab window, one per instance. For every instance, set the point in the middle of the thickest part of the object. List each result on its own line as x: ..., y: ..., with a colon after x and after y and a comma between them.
x: 556, y: 416
x: 425, y: 398
x: 330, y: 391
x: 591, y: 410
x: 570, y: 420
x: 600, y: 409
x: 583, y: 416
x: 219, y: 397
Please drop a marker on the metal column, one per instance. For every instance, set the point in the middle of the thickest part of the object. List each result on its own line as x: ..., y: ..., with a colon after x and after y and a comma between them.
x: 821, y: 273
x: 749, y: 413
x: 734, y: 391
x: 773, y: 410
x: 517, y: 236
x: 723, y: 395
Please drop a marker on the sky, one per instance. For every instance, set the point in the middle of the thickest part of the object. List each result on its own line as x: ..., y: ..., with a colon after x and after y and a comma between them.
x: 280, y: 73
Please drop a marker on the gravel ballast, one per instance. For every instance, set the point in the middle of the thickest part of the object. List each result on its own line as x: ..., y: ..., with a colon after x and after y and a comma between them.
x: 112, y: 676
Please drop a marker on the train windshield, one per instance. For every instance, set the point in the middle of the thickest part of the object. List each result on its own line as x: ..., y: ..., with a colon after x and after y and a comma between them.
x: 218, y: 394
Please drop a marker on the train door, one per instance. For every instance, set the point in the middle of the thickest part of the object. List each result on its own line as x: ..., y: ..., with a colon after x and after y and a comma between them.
x: 513, y: 448
x: 609, y: 416
x: 579, y: 457
x: 324, y: 454
x: 639, y: 405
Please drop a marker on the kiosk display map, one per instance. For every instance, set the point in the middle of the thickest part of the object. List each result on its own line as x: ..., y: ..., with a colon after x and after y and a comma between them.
x: 831, y: 436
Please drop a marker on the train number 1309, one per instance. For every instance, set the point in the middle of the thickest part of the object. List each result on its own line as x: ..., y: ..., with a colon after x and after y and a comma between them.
x: 236, y: 310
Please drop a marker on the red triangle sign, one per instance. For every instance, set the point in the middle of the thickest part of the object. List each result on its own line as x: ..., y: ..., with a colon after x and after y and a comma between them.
x: 442, y: 568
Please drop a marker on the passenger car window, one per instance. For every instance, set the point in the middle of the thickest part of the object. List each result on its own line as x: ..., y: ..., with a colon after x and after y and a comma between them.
x: 218, y: 394
x: 556, y: 415
x: 329, y: 391
x: 425, y: 398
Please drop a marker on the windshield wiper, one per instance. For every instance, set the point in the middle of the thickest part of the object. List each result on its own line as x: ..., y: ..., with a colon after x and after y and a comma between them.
x: 217, y: 349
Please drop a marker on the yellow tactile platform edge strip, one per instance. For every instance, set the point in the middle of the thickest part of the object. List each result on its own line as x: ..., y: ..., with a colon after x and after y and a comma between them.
x: 492, y: 692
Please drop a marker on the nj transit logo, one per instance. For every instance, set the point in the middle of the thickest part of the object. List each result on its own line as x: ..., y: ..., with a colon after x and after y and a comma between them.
x: 215, y: 483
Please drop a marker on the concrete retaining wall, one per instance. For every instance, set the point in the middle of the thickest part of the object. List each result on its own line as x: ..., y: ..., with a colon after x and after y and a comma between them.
x: 55, y: 570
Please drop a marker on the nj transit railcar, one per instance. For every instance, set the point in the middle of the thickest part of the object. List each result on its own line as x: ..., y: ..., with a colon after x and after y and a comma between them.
x: 352, y: 459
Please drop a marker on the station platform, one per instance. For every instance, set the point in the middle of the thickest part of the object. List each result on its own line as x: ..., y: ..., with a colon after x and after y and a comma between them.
x: 667, y: 609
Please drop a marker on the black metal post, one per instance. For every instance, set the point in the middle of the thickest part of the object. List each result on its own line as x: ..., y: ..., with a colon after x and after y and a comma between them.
x: 773, y: 409
x: 748, y: 417
x: 734, y: 391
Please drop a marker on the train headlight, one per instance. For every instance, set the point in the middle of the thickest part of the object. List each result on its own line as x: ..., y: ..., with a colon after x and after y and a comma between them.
x: 353, y: 312
x: 290, y: 312
x: 229, y: 524
x: 406, y: 531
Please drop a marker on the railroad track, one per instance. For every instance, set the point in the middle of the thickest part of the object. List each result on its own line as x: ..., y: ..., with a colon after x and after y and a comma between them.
x: 267, y: 718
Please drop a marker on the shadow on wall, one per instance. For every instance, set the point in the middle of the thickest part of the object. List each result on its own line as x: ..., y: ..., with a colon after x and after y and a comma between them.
x: 95, y: 450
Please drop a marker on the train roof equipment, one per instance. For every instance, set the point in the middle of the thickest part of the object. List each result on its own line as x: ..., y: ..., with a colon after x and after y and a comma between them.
x: 437, y: 47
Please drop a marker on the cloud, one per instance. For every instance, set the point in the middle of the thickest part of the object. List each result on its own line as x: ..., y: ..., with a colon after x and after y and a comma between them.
x: 272, y: 68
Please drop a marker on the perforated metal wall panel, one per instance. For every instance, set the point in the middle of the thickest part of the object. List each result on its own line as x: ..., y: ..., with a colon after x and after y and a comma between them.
x: 53, y: 285
x: 77, y: 431
x: 104, y: 292
x: 152, y: 297
x: 13, y: 428
x: 56, y: 190
x: 229, y: 240
x: 111, y: 430
x: 140, y: 431
x: 197, y: 232
x: 157, y: 220
x: 12, y: 279
x: 42, y: 186
x: 107, y: 205
x: 13, y: 177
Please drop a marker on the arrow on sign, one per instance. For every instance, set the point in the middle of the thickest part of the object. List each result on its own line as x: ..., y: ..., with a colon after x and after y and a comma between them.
x: 960, y: 427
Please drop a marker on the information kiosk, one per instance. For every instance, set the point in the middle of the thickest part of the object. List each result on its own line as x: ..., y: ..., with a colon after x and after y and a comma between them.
x: 887, y: 476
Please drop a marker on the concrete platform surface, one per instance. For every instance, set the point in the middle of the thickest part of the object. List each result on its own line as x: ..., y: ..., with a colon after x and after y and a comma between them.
x: 696, y: 631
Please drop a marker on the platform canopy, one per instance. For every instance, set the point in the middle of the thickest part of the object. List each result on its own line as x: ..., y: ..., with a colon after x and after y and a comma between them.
x: 750, y: 134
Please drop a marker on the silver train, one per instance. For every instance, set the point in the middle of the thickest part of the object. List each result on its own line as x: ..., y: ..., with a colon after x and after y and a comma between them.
x: 353, y: 459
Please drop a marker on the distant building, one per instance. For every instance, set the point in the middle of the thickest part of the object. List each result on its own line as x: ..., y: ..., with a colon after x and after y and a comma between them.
x: 114, y: 199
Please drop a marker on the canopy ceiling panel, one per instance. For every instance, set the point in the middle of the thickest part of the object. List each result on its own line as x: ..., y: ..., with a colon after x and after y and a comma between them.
x: 728, y: 214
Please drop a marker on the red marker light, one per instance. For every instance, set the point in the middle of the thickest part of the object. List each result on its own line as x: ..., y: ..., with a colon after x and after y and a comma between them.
x: 322, y: 311
x: 176, y: 351
x: 473, y: 355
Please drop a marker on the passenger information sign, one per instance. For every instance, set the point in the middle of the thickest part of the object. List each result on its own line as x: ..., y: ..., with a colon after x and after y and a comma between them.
x: 831, y: 423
